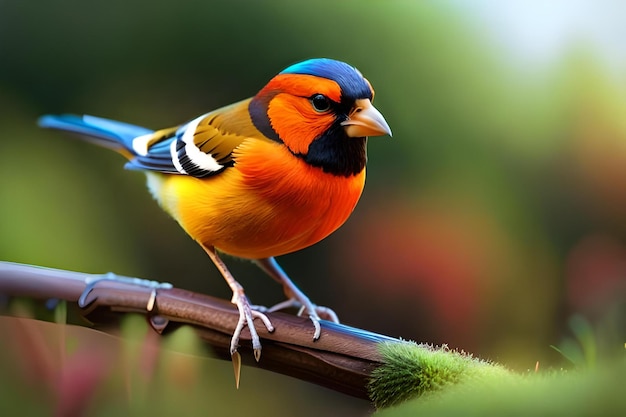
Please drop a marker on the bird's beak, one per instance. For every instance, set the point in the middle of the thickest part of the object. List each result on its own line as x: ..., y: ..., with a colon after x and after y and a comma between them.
x: 365, y: 120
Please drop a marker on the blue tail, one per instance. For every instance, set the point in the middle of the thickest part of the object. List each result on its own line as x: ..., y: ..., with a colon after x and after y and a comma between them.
x: 104, y: 132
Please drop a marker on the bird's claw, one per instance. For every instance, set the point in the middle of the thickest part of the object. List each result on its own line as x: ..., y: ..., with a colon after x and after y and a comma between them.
x: 91, y: 282
x: 315, y: 319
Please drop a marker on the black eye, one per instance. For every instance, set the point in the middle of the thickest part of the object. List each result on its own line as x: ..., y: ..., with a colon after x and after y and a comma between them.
x: 320, y: 103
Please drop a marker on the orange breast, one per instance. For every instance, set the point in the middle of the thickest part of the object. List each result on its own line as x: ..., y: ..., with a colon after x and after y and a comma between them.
x: 270, y: 203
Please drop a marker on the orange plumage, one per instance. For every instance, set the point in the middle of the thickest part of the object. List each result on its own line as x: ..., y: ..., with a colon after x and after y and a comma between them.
x: 276, y: 204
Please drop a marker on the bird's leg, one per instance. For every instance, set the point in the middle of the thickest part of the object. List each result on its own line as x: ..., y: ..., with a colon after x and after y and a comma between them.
x: 246, y: 313
x: 295, y: 297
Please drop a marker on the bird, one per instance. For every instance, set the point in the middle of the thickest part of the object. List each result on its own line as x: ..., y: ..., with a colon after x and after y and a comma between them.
x: 260, y: 178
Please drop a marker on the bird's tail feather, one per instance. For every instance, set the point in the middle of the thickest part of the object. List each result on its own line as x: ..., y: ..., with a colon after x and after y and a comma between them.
x: 104, y: 132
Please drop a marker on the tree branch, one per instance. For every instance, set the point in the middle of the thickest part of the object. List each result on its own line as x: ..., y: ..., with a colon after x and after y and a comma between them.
x: 342, y: 359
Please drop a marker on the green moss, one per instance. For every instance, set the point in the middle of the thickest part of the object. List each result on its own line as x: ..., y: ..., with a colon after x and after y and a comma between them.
x: 413, y: 370
x: 422, y: 380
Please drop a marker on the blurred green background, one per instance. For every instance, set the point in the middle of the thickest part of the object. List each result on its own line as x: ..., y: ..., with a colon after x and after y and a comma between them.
x: 496, y: 211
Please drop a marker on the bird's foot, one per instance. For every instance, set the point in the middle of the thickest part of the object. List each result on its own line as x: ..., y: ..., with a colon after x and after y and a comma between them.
x: 247, y: 314
x: 91, y: 283
x: 306, y: 307
x: 295, y: 297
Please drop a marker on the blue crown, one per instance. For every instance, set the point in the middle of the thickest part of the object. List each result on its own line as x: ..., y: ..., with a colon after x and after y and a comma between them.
x: 353, y: 85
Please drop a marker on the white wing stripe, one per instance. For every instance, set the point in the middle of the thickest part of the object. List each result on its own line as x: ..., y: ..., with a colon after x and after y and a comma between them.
x: 175, y: 160
x: 201, y: 159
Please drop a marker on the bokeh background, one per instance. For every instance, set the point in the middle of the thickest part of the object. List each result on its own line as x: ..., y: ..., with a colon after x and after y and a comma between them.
x: 495, y: 213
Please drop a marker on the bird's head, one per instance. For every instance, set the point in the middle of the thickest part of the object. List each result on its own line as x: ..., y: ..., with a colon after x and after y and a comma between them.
x: 322, y: 111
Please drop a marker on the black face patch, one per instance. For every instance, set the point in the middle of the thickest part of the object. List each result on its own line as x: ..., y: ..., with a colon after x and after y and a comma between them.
x: 336, y: 153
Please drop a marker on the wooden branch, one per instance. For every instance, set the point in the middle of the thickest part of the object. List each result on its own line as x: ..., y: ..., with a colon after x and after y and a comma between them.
x: 342, y: 359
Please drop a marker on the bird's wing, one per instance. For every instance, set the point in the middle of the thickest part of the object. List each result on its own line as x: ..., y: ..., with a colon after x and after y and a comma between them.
x: 199, y: 148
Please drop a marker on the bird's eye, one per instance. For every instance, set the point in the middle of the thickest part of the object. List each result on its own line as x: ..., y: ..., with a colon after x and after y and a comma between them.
x: 320, y: 103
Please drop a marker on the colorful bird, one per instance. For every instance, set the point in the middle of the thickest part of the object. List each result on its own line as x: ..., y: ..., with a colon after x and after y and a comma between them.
x: 260, y: 178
